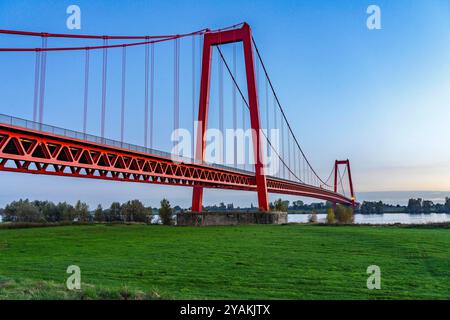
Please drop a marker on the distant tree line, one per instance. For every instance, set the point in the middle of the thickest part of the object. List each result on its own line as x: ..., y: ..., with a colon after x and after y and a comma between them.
x: 46, y: 211
x: 415, y: 206
x: 427, y: 206
x: 278, y: 205
x: 135, y: 211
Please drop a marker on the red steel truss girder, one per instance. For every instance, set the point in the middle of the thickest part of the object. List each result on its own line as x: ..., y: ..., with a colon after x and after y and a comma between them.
x: 280, y: 186
x: 43, y: 153
x: 30, y: 151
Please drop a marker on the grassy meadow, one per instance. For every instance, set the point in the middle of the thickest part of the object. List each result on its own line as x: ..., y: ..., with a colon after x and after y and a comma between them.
x: 232, y: 262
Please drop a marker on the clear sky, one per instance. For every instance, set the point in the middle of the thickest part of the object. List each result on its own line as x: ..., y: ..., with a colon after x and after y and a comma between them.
x: 378, y: 97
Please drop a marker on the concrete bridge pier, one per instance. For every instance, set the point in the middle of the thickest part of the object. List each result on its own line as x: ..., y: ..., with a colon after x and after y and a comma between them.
x: 230, y: 218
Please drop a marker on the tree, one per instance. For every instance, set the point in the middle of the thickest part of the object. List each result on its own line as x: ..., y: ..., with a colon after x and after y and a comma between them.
x: 368, y: 207
x: 49, y: 210
x: 297, y: 205
x: 344, y: 215
x: 415, y: 206
x: 281, y: 205
x: 427, y: 206
x: 66, y: 211
x: 134, y: 211
x: 114, y: 213
x: 82, y: 211
x: 447, y: 205
x: 331, y: 218
x: 165, y: 213
x: 98, y: 214
x: 23, y: 211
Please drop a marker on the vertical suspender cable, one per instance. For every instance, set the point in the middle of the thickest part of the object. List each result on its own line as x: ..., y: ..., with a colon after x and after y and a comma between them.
x: 193, y: 98
x: 221, y: 111
x: 37, y: 65
x: 146, y: 68
x: 176, y: 104
x: 152, y: 92
x: 104, y: 78
x: 244, y: 149
x: 86, y: 90
x: 267, y: 113
x: 267, y: 106
x: 275, y: 126
x: 234, y: 92
x: 282, y: 146
x: 257, y: 81
x: 42, y: 79
x: 122, y: 109
x: 289, y: 154
x: 301, y: 162
x: 305, y: 173
x: 295, y: 159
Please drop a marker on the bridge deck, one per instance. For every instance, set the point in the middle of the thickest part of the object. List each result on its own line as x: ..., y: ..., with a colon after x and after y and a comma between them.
x: 31, y: 147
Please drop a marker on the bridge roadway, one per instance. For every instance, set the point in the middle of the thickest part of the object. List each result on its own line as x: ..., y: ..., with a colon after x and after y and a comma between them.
x: 30, y: 147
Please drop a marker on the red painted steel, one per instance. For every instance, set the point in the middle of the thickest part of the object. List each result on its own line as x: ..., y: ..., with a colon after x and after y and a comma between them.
x: 211, y: 39
x: 34, y: 151
x: 31, y: 151
x: 337, y: 163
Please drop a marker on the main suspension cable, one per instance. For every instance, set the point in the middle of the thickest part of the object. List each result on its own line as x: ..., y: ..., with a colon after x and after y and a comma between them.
x: 246, y: 103
x: 282, y: 111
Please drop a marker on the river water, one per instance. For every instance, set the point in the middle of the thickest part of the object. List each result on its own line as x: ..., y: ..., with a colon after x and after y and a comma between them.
x: 388, y: 218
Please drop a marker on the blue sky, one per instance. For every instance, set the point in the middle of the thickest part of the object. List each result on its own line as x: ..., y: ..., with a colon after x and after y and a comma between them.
x: 380, y: 98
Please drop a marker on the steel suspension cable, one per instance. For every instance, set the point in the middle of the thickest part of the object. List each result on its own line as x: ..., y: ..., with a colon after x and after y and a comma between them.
x: 176, y: 86
x: 343, y: 175
x: 329, y: 177
x: 146, y: 75
x: 154, y: 39
x: 275, y: 126
x: 221, y: 107
x: 119, y: 37
x: 104, y: 79
x: 267, y: 106
x: 289, y: 153
x: 243, y: 127
x: 152, y: 92
x: 340, y: 181
x: 193, y: 97
x: 86, y: 90
x: 248, y: 107
x: 234, y: 103
x: 37, y: 68
x: 42, y: 80
x: 122, y: 108
x: 281, y: 109
x: 120, y: 45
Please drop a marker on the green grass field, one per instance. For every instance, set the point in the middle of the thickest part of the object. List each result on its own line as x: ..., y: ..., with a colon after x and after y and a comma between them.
x: 242, y: 262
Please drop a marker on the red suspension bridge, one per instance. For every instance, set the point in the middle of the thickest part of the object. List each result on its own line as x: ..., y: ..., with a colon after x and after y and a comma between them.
x: 34, y: 147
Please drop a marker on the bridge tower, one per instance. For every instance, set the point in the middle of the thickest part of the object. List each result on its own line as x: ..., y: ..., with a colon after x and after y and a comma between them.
x: 210, y: 40
x: 346, y: 163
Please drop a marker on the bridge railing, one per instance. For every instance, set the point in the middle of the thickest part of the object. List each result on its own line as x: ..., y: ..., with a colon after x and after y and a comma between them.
x: 23, y: 123
x: 28, y: 124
